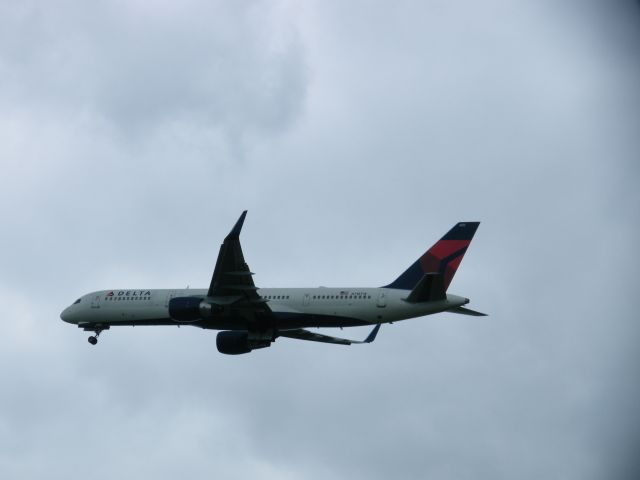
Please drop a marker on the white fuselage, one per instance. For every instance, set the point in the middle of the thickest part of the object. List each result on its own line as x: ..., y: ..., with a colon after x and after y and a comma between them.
x: 292, y: 307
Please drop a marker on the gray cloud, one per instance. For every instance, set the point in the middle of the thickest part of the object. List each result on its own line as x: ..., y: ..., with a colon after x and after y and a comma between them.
x: 237, y: 67
x: 364, y: 133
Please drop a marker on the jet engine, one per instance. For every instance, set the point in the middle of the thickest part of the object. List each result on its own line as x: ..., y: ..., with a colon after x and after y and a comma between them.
x: 235, y: 343
x: 189, y: 309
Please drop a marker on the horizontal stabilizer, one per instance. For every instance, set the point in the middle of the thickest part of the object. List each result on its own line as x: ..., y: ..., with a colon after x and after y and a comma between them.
x: 302, y: 334
x: 430, y: 288
x: 467, y: 311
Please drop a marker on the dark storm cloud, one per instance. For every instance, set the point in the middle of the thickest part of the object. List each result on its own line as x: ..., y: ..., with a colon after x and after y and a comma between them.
x: 118, y: 129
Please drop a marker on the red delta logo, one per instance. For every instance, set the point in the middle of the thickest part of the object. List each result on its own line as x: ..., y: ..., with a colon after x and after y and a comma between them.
x: 110, y: 294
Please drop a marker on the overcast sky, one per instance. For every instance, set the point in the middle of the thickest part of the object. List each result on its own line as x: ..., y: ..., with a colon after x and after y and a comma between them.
x: 133, y: 134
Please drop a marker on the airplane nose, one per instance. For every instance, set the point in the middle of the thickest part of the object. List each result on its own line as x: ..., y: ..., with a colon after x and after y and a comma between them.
x: 66, y: 315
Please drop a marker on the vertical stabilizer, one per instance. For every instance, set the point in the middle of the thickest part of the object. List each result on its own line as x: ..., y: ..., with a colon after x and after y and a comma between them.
x: 443, y: 258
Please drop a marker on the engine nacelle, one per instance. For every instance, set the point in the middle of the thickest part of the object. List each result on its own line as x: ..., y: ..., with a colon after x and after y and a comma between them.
x: 187, y: 309
x: 235, y: 343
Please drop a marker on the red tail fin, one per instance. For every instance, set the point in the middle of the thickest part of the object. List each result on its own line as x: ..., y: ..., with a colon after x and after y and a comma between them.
x: 444, y: 257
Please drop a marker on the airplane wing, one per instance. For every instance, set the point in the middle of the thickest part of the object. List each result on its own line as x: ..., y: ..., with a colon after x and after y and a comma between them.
x: 302, y: 334
x: 231, y: 283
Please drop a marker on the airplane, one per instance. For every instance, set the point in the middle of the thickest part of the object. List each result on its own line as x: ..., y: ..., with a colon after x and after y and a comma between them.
x: 252, y: 318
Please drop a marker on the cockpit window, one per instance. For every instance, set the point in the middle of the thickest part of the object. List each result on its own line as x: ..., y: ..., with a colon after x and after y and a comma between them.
x: 77, y: 301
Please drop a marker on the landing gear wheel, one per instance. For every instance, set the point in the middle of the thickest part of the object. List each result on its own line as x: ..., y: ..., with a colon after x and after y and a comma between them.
x: 93, y: 339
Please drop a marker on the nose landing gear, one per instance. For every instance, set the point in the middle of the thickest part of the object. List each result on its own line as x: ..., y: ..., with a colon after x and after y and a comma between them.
x: 93, y: 339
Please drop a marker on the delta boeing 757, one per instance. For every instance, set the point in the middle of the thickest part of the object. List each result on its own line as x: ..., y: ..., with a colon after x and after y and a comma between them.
x: 253, y: 317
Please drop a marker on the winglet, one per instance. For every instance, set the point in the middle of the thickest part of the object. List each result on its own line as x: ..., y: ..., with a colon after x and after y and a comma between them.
x: 372, y: 335
x: 235, y: 231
